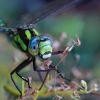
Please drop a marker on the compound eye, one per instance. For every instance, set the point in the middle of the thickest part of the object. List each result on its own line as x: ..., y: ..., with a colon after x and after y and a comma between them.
x: 33, y: 46
x: 47, y: 38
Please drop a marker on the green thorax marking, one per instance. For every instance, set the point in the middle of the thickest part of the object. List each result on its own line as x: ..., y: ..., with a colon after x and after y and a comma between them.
x: 21, y: 38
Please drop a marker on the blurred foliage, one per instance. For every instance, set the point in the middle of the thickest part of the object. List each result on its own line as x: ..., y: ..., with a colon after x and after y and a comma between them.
x: 83, y: 21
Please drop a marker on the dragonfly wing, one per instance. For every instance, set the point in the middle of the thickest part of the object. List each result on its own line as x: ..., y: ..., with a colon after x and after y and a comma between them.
x: 49, y: 9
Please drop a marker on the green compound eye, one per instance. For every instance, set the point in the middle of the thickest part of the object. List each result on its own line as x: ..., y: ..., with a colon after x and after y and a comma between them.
x: 46, y: 48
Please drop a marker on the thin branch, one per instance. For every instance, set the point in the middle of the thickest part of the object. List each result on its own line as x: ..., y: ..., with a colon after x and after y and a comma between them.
x: 44, y: 81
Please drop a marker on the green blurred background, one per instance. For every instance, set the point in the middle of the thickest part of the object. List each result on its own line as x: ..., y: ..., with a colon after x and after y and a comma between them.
x: 82, y: 63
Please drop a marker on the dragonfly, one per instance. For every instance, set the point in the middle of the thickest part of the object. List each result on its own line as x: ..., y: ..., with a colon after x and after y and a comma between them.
x: 36, y: 46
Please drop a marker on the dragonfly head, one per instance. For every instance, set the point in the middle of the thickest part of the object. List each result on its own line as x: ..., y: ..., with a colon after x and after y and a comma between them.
x: 45, y: 48
x: 41, y: 46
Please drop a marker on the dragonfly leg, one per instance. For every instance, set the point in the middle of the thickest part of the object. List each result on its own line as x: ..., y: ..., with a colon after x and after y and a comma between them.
x: 57, y: 52
x: 60, y: 73
x: 19, y: 68
x: 63, y: 76
x: 39, y: 70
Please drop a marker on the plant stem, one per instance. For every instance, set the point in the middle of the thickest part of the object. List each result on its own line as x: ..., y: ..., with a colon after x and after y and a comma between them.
x: 44, y: 81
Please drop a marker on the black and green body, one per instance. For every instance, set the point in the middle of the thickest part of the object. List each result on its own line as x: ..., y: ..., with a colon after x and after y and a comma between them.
x: 30, y: 42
